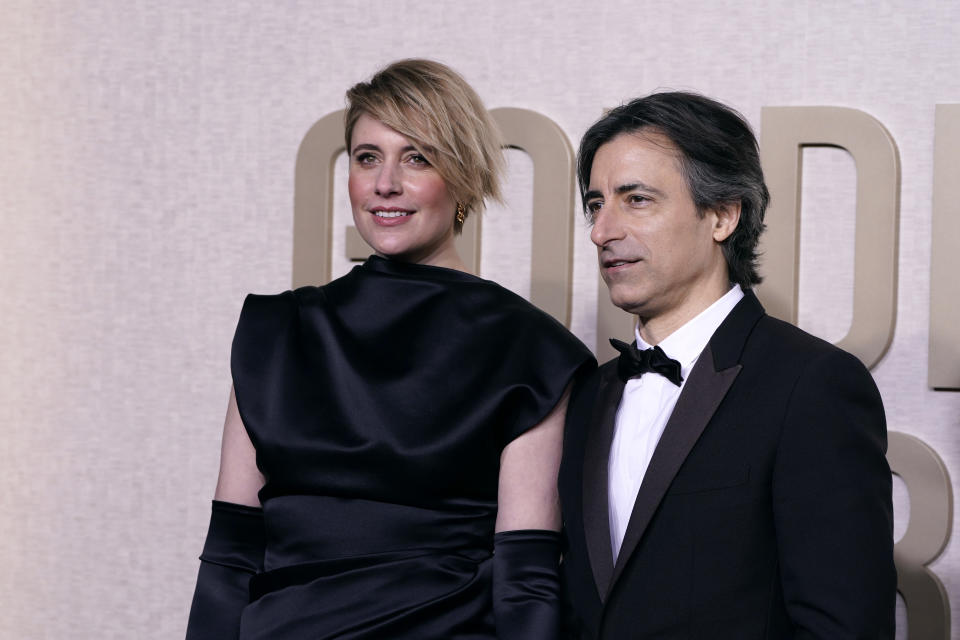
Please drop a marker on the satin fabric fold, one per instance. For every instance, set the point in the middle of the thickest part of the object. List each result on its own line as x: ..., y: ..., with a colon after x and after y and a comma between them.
x: 379, y: 406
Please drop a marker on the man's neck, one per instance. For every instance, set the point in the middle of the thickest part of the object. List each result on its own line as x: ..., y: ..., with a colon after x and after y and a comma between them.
x: 658, y: 327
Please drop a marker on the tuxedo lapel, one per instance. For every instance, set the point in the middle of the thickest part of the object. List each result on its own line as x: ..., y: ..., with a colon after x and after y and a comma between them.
x: 596, y: 522
x: 711, y: 378
x: 699, y: 399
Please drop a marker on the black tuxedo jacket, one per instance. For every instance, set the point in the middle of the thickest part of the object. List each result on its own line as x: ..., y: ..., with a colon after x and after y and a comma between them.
x: 765, y: 511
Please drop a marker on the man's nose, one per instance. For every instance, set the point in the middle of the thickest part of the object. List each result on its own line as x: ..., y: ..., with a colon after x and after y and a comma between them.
x: 388, y: 180
x: 606, y: 227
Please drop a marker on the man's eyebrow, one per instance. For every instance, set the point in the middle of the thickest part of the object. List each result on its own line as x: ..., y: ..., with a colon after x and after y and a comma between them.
x: 637, y: 186
x: 624, y: 188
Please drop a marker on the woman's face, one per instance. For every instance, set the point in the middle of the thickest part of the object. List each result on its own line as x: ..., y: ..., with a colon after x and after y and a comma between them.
x: 401, y: 205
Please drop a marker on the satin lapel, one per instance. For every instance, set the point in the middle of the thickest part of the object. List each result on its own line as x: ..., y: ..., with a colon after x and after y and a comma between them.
x: 698, y: 401
x: 596, y: 522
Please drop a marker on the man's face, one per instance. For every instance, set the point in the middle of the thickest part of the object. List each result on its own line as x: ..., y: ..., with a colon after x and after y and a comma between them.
x: 658, y: 257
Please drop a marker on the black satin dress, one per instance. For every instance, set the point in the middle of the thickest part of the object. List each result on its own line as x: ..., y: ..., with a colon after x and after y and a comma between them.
x: 379, y: 405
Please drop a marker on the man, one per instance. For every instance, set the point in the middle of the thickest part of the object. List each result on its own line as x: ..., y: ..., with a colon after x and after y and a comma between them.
x: 725, y: 477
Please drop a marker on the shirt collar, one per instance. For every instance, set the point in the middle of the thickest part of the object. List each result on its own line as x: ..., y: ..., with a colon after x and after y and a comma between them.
x: 686, y: 343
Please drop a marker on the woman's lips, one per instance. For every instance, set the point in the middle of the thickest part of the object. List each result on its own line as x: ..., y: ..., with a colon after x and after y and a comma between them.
x: 390, y: 216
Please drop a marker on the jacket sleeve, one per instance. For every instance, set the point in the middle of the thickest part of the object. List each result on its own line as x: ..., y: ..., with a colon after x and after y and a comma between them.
x: 832, y: 504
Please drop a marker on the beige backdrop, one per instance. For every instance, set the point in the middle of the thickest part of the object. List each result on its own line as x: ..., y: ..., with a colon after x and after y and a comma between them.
x: 146, y: 185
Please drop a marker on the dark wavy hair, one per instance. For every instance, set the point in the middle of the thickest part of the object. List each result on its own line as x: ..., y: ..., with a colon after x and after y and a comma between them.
x: 719, y: 158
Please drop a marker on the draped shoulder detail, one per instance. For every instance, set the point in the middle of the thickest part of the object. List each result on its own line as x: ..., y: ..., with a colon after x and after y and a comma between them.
x: 522, y: 354
x: 266, y: 334
x: 430, y: 368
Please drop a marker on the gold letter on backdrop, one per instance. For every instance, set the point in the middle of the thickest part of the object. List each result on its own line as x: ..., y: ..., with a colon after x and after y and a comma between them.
x: 944, y: 350
x: 313, y: 200
x: 551, y: 263
x: 784, y: 132
x: 931, y: 514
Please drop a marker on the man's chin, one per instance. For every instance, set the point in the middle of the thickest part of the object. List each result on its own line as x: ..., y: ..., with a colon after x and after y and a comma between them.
x: 627, y: 301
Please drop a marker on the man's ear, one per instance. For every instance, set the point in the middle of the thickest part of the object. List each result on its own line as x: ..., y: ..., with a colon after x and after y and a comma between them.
x: 726, y: 221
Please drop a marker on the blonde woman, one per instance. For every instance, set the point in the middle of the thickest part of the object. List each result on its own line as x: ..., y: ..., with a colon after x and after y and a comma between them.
x: 390, y: 453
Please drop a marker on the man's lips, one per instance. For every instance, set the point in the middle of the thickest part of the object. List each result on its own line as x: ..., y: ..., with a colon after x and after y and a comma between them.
x: 613, y: 263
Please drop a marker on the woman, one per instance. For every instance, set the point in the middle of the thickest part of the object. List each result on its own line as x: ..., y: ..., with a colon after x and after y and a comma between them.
x: 401, y: 426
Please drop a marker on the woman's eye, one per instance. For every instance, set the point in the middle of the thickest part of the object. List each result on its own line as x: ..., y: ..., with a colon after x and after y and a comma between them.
x: 365, y: 158
x: 418, y: 159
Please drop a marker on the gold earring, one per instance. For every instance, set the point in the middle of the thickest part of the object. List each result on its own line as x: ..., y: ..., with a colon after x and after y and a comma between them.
x: 461, y: 216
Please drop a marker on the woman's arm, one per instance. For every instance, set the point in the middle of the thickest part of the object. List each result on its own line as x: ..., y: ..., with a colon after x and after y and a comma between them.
x: 526, y: 585
x: 233, y: 551
x: 239, y: 479
x: 528, y: 497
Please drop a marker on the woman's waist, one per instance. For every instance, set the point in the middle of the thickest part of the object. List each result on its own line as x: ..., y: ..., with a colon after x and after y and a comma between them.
x: 303, y: 529
x: 418, y: 571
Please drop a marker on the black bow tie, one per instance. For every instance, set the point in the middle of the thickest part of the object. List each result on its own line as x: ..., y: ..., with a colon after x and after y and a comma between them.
x: 633, y: 362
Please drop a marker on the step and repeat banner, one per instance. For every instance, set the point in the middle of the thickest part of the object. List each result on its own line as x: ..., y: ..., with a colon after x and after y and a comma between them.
x: 161, y: 162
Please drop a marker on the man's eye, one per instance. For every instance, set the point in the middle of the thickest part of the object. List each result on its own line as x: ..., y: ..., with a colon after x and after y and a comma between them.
x: 591, y: 209
x: 637, y: 199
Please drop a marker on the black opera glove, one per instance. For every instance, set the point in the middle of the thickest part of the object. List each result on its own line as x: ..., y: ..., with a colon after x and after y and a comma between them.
x: 232, y: 554
x: 526, y: 584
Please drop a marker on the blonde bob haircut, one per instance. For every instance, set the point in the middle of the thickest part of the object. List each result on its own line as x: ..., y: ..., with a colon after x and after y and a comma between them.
x: 444, y: 118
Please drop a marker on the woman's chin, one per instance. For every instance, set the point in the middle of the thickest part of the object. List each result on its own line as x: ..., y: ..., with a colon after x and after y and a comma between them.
x: 391, y: 250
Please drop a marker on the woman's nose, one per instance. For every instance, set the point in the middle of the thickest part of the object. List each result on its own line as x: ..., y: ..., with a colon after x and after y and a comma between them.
x: 388, y: 181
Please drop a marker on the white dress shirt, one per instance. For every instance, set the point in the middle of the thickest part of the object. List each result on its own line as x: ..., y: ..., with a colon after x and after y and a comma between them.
x: 645, y: 408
